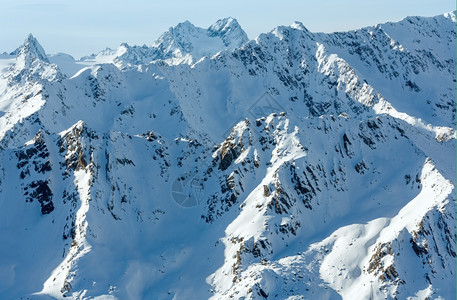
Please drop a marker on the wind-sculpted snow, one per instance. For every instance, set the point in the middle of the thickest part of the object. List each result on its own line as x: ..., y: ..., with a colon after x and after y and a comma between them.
x: 297, y: 165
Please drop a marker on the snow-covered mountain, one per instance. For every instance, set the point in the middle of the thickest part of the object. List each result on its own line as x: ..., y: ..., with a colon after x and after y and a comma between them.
x: 184, y: 43
x: 297, y: 165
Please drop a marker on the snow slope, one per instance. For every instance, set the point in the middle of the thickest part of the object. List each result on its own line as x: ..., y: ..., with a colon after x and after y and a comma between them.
x: 297, y: 165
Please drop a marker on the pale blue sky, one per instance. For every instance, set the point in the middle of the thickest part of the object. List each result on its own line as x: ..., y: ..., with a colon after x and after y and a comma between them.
x: 83, y: 27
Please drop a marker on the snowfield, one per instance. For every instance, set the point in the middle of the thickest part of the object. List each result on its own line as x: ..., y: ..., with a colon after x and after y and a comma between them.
x: 297, y: 165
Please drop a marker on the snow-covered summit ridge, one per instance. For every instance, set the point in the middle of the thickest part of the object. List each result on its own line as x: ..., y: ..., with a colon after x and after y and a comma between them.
x: 184, y: 42
x: 186, y: 38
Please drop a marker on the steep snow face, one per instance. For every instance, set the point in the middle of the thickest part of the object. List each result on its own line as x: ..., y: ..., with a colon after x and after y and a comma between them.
x: 294, y: 166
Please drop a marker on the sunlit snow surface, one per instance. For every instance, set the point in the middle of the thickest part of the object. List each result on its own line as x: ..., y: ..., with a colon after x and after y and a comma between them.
x: 295, y: 166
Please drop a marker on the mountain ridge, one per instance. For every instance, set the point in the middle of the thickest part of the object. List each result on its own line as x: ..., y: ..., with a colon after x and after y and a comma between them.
x: 284, y: 167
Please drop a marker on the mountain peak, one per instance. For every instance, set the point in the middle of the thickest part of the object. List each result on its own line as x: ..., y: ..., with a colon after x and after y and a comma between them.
x: 186, y: 38
x: 224, y: 24
x: 183, y: 28
x: 30, y: 50
x: 184, y: 42
x: 186, y: 23
x: 229, y: 30
x: 298, y: 25
x: 451, y: 15
x: 32, y: 63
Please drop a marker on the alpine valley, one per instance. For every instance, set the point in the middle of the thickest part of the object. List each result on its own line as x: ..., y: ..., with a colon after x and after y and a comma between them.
x: 297, y: 165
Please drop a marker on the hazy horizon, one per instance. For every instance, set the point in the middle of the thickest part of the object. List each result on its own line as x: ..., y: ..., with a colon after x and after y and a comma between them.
x: 83, y: 27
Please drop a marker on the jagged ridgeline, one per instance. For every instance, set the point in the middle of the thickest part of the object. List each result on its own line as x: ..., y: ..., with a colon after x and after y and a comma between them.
x: 297, y: 165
